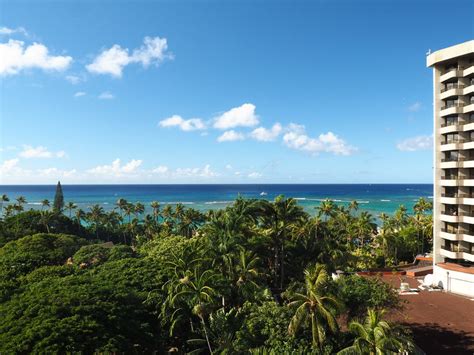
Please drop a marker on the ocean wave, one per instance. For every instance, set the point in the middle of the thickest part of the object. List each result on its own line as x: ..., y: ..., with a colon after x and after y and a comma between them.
x: 385, y: 200
x: 217, y: 202
x: 430, y: 197
x: 300, y: 198
x: 34, y: 203
x: 181, y: 202
x: 363, y: 201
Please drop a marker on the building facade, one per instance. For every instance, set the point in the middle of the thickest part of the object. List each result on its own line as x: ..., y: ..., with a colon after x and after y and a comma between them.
x: 453, y: 204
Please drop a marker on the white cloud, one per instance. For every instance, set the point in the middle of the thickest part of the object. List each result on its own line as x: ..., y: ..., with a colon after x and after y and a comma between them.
x: 116, y: 169
x: 296, y: 138
x: 9, y: 31
x: 161, y: 170
x: 106, y: 96
x: 112, y: 61
x: 73, y: 79
x: 242, y: 116
x: 254, y: 175
x: 15, y: 57
x: 230, y: 136
x: 30, y: 152
x: 191, y: 124
x: 416, y: 143
x: 415, y: 107
x: 204, y: 172
x: 229, y: 167
x: 266, y: 135
x: 79, y: 94
x: 8, y: 165
x: 56, y: 173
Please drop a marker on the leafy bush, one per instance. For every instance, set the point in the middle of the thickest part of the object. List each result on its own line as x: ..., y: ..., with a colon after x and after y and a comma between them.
x: 359, y: 293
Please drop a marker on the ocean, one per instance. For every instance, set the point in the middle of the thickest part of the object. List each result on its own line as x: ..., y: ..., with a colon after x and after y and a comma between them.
x: 374, y: 198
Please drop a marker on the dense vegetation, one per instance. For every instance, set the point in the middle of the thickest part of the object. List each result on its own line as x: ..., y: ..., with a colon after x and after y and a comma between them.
x: 253, y: 278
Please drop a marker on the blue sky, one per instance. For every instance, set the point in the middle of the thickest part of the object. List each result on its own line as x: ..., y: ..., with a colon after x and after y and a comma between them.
x: 220, y: 91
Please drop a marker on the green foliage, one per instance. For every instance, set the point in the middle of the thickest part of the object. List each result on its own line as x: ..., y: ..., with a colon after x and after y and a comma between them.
x: 266, y: 325
x: 33, y: 222
x: 359, y: 293
x: 22, y: 256
x: 238, y: 280
x: 102, y: 311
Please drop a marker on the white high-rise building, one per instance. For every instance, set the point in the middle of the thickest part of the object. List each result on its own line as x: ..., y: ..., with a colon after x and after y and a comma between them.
x: 453, y: 213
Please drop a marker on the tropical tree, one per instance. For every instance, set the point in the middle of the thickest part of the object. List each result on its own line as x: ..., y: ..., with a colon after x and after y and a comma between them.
x: 195, y: 292
x: 70, y: 206
x: 155, y: 205
x: 95, y: 217
x: 58, y: 204
x: 354, y: 206
x: 279, y: 218
x: 375, y: 336
x: 44, y: 203
x: 80, y: 216
x: 316, y: 306
x: 4, y: 198
x: 326, y: 209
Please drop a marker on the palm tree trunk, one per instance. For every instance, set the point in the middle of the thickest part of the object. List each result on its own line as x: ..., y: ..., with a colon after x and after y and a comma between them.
x: 205, y: 333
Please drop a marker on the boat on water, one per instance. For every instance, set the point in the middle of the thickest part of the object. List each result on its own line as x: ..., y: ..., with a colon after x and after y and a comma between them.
x: 263, y: 193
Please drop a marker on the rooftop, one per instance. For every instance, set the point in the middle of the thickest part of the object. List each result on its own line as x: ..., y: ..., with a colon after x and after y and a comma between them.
x: 444, y: 55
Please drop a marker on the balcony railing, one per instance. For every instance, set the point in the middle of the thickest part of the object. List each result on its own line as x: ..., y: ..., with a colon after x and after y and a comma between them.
x: 453, y: 69
x: 452, y: 86
x: 458, y: 232
x: 452, y: 105
x: 456, y: 195
x: 451, y: 141
x: 456, y: 249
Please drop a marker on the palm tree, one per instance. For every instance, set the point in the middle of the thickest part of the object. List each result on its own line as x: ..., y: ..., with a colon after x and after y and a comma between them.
x: 20, y: 201
x: 3, y: 199
x: 139, y: 209
x: 354, y: 205
x: 279, y: 218
x: 80, y: 216
x: 96, y: 216
x: 155, y: 205
x: 129, y: 209
x: 44, y: 203
x: 9, y: 210
x: 70, y: 206
x: 121, y: 204
x: 375, y: 336
x: 326, y: 209
x: 365, y: 226
x: 194, y: 291
x: 316, y: 306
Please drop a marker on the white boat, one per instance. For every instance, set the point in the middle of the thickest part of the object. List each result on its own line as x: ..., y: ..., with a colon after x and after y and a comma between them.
x: 263, y: 193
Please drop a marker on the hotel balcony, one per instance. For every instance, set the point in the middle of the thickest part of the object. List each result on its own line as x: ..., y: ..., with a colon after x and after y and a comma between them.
x: 465, y: 236
x: 452, y: 90
x: 453, y: 253
x: 450, y: 254
x: 451, y: 74
x: 449, y: 128
x: 448, y: 217
x: 457, y: 199
x: 468, y: 71
x: 457, y: 163
x: 468, y: 90
x: 468, y: 108
x: 451, y: 145
x: 452, y: 109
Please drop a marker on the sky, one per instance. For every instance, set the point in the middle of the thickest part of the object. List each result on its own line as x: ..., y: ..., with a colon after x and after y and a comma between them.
x: 220, y: 91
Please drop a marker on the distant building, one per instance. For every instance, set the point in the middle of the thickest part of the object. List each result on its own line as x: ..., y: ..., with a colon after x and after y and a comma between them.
x: 453, y: 104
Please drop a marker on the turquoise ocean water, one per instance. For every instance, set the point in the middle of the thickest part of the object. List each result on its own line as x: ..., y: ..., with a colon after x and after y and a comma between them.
x: 375, y: 198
